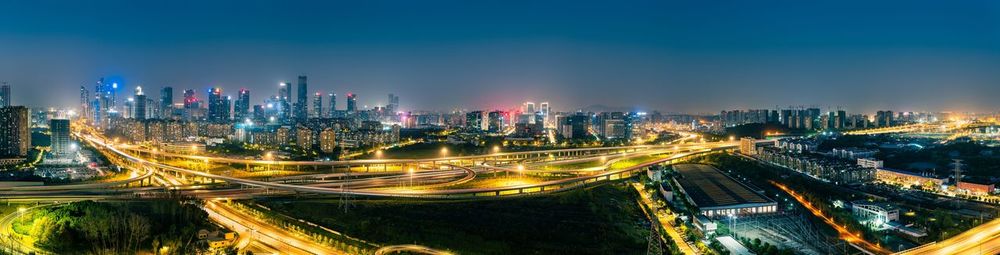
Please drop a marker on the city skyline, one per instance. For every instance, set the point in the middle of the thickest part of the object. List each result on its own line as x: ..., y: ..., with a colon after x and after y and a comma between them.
x: 920, y: 58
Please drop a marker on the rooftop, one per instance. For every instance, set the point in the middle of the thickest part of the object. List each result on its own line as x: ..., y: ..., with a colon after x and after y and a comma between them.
x: 708, y: 187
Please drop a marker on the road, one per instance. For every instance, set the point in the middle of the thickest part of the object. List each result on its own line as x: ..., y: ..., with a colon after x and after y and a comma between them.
x: 255, y: 230
x: 665, y: 221
x: 982, y: 239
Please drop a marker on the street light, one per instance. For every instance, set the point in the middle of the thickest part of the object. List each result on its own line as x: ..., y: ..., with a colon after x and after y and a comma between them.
x: 496, y: 149
x: 444, y: 152
x: 378, y: 153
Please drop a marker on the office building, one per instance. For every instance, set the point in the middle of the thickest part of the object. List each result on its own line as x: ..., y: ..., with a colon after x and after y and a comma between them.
x: 4, y: 94
x: 241, y: 107
x: 352, y: 102
x: 15, y: 131
x: 302, y: 104
x: 218, y: 106
x: 474, y: 120
x: 283, y: 107
x: 166, y: 102
x: 317, y: 105
x: 140, y: 110
x: 495, y: 121
x: 59, y: 130
x: 333, y: 105
x: 190, y: 99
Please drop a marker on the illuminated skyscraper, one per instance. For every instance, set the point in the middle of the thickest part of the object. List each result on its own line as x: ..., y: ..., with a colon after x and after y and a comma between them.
x: 333, y: 104
x: 4, y: 95
x: 302, y: 104
x: 15, y: 131
x: 190, y: 99
x: 283, y: 106
x: 166, y: 102
x: 352, y: 102
x: 59, y: 130
x: 216, y: 102
x: 140, y: 104
x: 317, y: 105
x: 84, y: 101
x: 241, y: 108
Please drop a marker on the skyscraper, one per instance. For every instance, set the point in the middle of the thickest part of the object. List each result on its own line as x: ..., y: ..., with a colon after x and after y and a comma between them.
x: 166, y: 102
x: 318, y: 105
x: 393, y: 106
x: 333, y: 104
x: 4, y: 95
x: 241, y: 108
x: 302, y: 104
x: 352, y: 102
x: 15, y: 132
x: 140, y: 104
x: 215, y: 105
x: 190, y: 99
x: 59, y: 129
x: 84, y: 101
x: 284, y: 105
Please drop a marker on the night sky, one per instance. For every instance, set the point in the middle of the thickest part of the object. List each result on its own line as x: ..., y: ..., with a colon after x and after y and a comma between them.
x: 677, y: 56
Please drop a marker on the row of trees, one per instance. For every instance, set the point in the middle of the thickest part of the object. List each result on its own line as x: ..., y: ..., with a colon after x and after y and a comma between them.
x: 117, y: 228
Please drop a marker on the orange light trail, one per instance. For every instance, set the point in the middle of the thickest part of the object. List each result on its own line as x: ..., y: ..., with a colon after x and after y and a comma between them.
x: 844, y: 233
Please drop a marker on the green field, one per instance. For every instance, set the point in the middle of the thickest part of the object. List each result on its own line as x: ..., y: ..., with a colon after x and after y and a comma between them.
x: 602, y: 220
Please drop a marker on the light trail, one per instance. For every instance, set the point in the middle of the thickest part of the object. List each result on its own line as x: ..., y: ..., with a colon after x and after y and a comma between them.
x: 845, y: 234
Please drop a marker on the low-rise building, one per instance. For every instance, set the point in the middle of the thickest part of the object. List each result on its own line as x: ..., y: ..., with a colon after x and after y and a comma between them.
x: 975, y: 188
x: 908, y: 179
x: 875, y: 215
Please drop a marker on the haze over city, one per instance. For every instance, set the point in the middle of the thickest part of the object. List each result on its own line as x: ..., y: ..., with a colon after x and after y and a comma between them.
x: 444, y: 55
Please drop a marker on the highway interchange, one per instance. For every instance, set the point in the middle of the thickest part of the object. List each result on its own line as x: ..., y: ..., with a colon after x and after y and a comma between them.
x: 430, y: 179
x: 460, y: 177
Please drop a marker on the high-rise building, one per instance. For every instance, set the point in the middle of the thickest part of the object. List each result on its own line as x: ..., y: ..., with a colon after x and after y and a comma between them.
x: 302, y: 104
x: 59, y: 130
x: 241, y: 108
x: 529, y: 107
x: 328, y: 140
x: 15, y: 131
x: 190, y: 99
x: 393, y: 106
x: 84, y: 101
x: 318, y: 105
x: 140, y: 104
x: 496, y: 121
x: 217, y: 110
x: 575, y: 126
x: 166, y: 102
x: 304, y: 137
x: 258, y: 113
x: 474, y: 120
x: 284, y: 101
x: 883, y: 118
x: 352, y: 102
x: 333, y: 104
x: 545, y: 111
x: 4, y: 94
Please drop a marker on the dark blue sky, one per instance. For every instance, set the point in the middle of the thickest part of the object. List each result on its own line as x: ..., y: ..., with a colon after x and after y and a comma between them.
x: 686, y: 56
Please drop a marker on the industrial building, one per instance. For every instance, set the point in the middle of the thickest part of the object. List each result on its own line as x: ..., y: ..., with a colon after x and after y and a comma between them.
x: 717, y: 195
